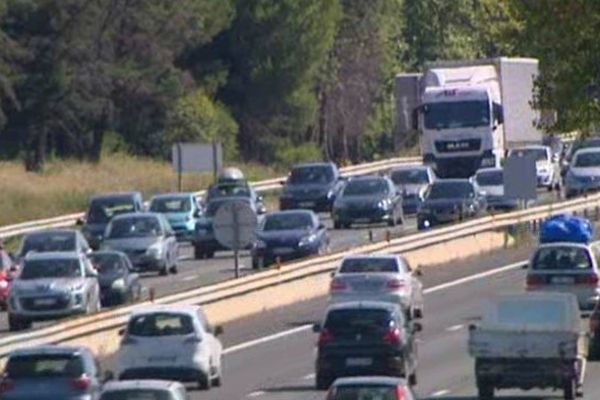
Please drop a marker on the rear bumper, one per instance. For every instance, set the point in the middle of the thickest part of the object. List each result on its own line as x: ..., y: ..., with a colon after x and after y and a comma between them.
x: 181, y: 374
x: 334, y: 366
x: 269, y: 255
x: 587, y: 299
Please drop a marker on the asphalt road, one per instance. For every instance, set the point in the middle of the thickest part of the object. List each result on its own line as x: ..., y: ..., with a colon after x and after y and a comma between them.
x: 263, y: 363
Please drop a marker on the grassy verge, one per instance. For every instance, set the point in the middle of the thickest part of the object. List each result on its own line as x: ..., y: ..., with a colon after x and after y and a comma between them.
x: 66, y: 186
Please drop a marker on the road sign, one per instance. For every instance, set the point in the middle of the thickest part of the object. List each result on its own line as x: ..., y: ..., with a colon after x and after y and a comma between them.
x: 196, y: 157
x: 520, y: 177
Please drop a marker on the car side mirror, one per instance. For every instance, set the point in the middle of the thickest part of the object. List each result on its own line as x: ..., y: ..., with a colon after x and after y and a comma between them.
x: 218, y: 330
x: 80, y: 222
x: 472, y: 327
x: 525, y: 265
x: 108, y: 376
x: 417, y: 327
x: 316, y: 328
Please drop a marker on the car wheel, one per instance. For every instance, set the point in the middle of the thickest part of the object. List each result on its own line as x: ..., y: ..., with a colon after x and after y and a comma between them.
x: 322, y: 382
x: 218, y: 381
x: 418, y: 313
x: 198, y: 253
x: 164, y: 270
x: 174, y: 270
x: 392, y: 220
x: 570, y: 389
x: 210, y: 254
x: 16, y: 324
x: 485, y: 391
x: 412, y: 379
x: 205, y: 382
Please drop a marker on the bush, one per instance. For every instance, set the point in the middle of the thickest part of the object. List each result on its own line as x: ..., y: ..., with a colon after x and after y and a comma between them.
x: 288, y: 154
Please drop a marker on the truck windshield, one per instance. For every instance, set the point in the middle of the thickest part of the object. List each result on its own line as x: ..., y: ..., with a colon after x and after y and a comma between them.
x: 457, y: 114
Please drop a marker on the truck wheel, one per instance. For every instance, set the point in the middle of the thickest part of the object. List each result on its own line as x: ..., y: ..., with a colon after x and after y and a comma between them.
x: 570, y: 389
x: 198, y: 253
x: 486, y: 392
x: 412, y: 379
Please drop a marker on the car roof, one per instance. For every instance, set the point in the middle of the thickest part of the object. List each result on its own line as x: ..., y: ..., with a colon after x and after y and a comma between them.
x: 409, y: 167
x: 364, y: 256
x: 144, y: 384
x: 363, y: 304
x: 137, y: 215
x: 48, y: 349
x: 531, y: 146
x: 166, y: 308
x: 173, y: 195
x: 109, y: 252
x: 452, y: 180
x: 288, y: 212
x: 52, y: 255
x: 368, y: 178
x: 370, y: 380
x: 115, y: 195
x: 51, y: 231
x: 314, y: 164
x: 587, y: 150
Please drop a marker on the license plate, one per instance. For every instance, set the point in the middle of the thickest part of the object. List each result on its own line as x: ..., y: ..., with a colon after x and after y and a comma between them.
x: 44, y: 302
x: 282, y: 250
x: 563, y: 280
x: 359, y: 362
x: 306, y: 204
x: 162, y: 359
x: 362, y: 220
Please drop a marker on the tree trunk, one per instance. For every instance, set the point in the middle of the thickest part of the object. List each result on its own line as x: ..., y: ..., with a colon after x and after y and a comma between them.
x: 35, y: 155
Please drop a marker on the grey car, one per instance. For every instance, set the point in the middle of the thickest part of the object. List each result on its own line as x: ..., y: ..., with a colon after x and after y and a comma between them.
x: 51, y: 373
x: 51, y: 286
x: 412, y: 181
x: 146, y: 238
x: 583, y: 175
x: 144, y: 389
x: 370, y: 387
x: 52, y: 240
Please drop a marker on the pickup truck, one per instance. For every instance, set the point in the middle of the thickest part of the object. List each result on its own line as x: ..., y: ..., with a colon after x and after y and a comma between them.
x: 528, y: 341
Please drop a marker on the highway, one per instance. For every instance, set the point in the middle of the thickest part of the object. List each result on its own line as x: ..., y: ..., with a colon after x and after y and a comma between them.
x: 262, y: 364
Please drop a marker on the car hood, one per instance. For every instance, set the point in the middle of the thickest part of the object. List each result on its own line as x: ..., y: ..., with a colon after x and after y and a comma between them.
x: 39, y: 286
x: 589, y: 171
x: 445, y: 203
x: 359, y: 201
x: 306, y: 188
x: 130, y: 243
x: 177, y: 217
x: 287, y: 236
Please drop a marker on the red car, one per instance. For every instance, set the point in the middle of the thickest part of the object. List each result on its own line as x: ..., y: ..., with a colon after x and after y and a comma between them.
x: 8, y: 271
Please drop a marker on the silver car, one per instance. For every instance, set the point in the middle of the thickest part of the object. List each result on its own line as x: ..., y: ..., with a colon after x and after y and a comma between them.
x: 583, y: 175
x: 144, y: 389
x: 412, y: 181
x: 378, y: 277
x: 51, y: 286
x: 146, y: 238
x: 52, y: 240
x: 546, y: 164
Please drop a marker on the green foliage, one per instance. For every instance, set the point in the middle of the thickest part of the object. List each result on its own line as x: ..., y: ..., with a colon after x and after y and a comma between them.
x: 286, y: 154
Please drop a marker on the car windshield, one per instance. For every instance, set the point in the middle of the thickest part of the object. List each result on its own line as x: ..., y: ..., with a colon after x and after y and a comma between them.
x: 366, y: 187
x: 48, y: 241
x: 160, y: 324
x: 44, y: 366
x: 410, y: 177
x: 103, y: 210
x: 51, y: 268
x: 361, y: 265
x: 562, y: 258
x: 107, y: 263
x: 538, y: 154
x: 288, y: 221
x: 137, y: 394
x: 213, y: 206
x: 364, y: 321
x: 132, y: 227
x: 587, y: 160
x: 450, y: 190
x: 365, y: 392
x: 490, y: 178
x: 312, y: 174
x: 457, y: 114
x: 228, y: 190
x: 171, y: 204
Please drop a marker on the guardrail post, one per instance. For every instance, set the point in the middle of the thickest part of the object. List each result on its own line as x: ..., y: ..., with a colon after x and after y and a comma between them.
x: 278, y: 263
x: 388, y: 236
x: 370, y: 236
x: 585, y: 212
x: 597, y: 211
x: 151, y: 294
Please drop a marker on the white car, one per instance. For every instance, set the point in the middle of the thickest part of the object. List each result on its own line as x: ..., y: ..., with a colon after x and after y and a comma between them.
x: 378, y: 277
x: 144, y: 390
x: 174, y: 342
x: 546, y: 164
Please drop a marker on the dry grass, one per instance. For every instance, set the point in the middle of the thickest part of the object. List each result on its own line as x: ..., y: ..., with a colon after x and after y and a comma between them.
x: 66, y: 186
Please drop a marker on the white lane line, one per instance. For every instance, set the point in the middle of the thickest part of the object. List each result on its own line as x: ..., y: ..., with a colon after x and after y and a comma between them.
x: 454, y: 328
x: 185, y: 258
x: 257, y: 394
x: 440, y: 393
x: 303, y: 328
x: 189, y: 278
x: 308, y: 377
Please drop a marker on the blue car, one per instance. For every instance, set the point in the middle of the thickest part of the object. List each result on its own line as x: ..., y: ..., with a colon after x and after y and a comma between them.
x: 288, y: 235
x: 182, y: 210
x: 311, y: 186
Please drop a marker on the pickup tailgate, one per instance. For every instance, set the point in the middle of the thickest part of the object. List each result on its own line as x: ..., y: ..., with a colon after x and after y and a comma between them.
x: 485, y: 343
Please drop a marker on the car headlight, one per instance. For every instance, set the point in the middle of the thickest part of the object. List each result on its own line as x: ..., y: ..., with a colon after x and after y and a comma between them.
x: 118, y: 284
x: 260, y: 244
x: 384, y: 204
x: 155, y: 250
x: 330, y: 194
x: 305, y: 241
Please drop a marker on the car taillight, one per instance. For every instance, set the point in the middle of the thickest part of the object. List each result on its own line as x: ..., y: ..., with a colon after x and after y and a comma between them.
x: 534, y: 281
x: 394, y: 284
x: 82, y: 383
x: 325, y: 337
x: 6, y: 385
x: 393, y: 336
x: 400, y: 393
x: 591, y: 279
x: 338, y: 285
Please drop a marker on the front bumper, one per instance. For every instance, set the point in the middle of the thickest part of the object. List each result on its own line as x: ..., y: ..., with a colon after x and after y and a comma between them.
x: 110, y: 296
x: 317, y: 204
x: 429, y: 219
x: 459, y: 166
x: 501, y: 204
x: 268, y: 255
x: 55, y: 307
x: 362, y: 215
x: 145, y: 262
x: 573, y: 189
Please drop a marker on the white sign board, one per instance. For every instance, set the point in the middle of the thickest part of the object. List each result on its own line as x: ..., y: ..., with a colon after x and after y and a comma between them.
x: 520, y: 178
x: 235, y: 225
x: 196, y: 157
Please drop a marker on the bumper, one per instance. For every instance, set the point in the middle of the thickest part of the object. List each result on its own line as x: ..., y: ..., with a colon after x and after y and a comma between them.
x: 410, y: 206
x: 48, y: 396
x: 181, y: 374
x: 317, y: 204
x: 110, y: 296
x: 526, y: 373
x: 586, y: 299
x: 396, y: 298
x: 428, y: 220
x: 45, y: 315
x: 457, y: 166
x: 362, y: 216
x: 581, y: 189
x: 360, y: 364
x: 501, y: 204
x: 269, y: 255
x: 147, y: 263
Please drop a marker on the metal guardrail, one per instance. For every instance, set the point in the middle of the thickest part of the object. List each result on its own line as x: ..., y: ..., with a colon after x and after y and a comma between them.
x: 261, y: 186
x: 109, y: 320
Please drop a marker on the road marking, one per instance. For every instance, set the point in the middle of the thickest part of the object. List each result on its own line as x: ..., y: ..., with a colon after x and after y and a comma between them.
x: 303, y: 328
x: 185, y: 258
x: 455, y: 328
x: 440, y: 393
x: 257, y: 394
x: 308, y: 377
x: 189, y: 278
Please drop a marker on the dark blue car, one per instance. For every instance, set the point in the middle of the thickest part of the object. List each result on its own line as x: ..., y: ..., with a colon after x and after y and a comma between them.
x: 289, y: 235
x: 311, y: 186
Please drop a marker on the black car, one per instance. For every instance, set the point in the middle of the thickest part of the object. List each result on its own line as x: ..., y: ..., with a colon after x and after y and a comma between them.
x: 118, y: 284
x: 450, y: 200
x: 368, y: 199
x: 102, y: 209
x: 312, y: 186
x: 365, y: 338
x: 289, y: 235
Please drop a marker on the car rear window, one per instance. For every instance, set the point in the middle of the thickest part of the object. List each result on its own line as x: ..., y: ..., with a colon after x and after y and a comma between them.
x: 361, y: 265
x: 562, y: 258
x: 161, y: 324
x: 137, y: 394
x: 39, y: 366
x: 365, y: 392
x: 360, y: 320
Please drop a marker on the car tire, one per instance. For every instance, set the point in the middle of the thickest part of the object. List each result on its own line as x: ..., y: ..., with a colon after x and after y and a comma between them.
x: 485, y: 391
x: 218, y: 380
x: 412, y: 379
x: 570, y: 389
x: 323, y: 382
x: 337, y: 225
x: 163, y: 271
x: 198, y: 253
x: 205, y: 382
x: 16, y: 324
x: 418, y: 313
x: 210, y: 254
x: 174, y: 270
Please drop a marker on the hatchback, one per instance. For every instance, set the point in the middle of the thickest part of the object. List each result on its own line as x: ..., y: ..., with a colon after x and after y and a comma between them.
x: 144, y: 390
x: 370, y: 387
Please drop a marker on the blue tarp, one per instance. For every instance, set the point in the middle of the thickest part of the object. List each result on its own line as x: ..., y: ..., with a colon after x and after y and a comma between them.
x: 566, y: 228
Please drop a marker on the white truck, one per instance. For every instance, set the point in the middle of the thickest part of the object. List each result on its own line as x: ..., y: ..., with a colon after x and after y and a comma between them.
x: 468, y: 113
x: 526, y: 341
